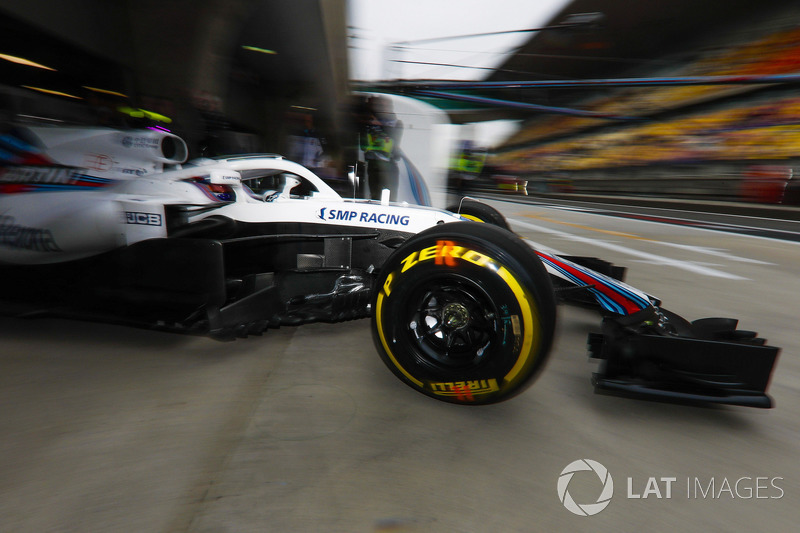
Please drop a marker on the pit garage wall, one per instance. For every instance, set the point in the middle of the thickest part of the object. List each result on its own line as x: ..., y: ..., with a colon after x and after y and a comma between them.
x: 177, y: 53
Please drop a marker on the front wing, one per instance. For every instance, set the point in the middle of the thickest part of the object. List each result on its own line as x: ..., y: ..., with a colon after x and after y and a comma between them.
x: 647, y: 351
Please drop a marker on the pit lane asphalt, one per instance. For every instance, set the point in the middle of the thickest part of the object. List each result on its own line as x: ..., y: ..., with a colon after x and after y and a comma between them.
x: 106, y: 428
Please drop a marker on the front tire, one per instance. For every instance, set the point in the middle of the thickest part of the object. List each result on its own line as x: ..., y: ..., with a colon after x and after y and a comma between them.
x: 479, y: 212
x: 464, y: 313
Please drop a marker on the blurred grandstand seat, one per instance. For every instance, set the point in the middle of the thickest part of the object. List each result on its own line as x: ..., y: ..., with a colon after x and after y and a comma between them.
x: 697, y: 125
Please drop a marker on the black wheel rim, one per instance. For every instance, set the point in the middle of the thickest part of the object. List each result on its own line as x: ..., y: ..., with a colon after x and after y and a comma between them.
x: 452, y: 323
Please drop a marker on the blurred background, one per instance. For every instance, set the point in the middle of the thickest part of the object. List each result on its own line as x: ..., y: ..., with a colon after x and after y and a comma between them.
x: 106, y: 428
x: 239, y: 76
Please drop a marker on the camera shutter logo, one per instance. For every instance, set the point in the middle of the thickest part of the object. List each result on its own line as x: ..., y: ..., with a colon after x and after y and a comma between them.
x: 587, y: 509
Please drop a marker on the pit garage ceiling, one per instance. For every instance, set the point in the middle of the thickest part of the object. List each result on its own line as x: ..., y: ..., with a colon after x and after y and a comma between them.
x: 295, y: 51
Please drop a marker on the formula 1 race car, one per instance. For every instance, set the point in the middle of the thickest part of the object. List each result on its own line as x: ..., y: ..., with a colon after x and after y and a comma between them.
x: 113, y: 226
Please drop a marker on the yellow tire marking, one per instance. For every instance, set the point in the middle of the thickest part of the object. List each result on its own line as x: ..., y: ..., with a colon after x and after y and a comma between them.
x: 470, y: 217
x: 531, y: 327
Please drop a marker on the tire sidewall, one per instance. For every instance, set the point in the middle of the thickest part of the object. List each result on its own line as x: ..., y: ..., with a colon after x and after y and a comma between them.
x: 496, y: 270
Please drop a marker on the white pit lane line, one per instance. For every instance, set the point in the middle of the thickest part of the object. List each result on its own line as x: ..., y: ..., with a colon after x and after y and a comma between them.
x: 689, y: 266
x: 715, y: 252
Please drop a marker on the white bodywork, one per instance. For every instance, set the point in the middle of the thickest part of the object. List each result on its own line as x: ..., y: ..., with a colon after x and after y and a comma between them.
x: 79, y: 192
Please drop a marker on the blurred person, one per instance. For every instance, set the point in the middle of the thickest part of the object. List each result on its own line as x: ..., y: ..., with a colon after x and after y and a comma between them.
x: 466, y: 167
x: 379, y: 139
x: 305, y: 145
